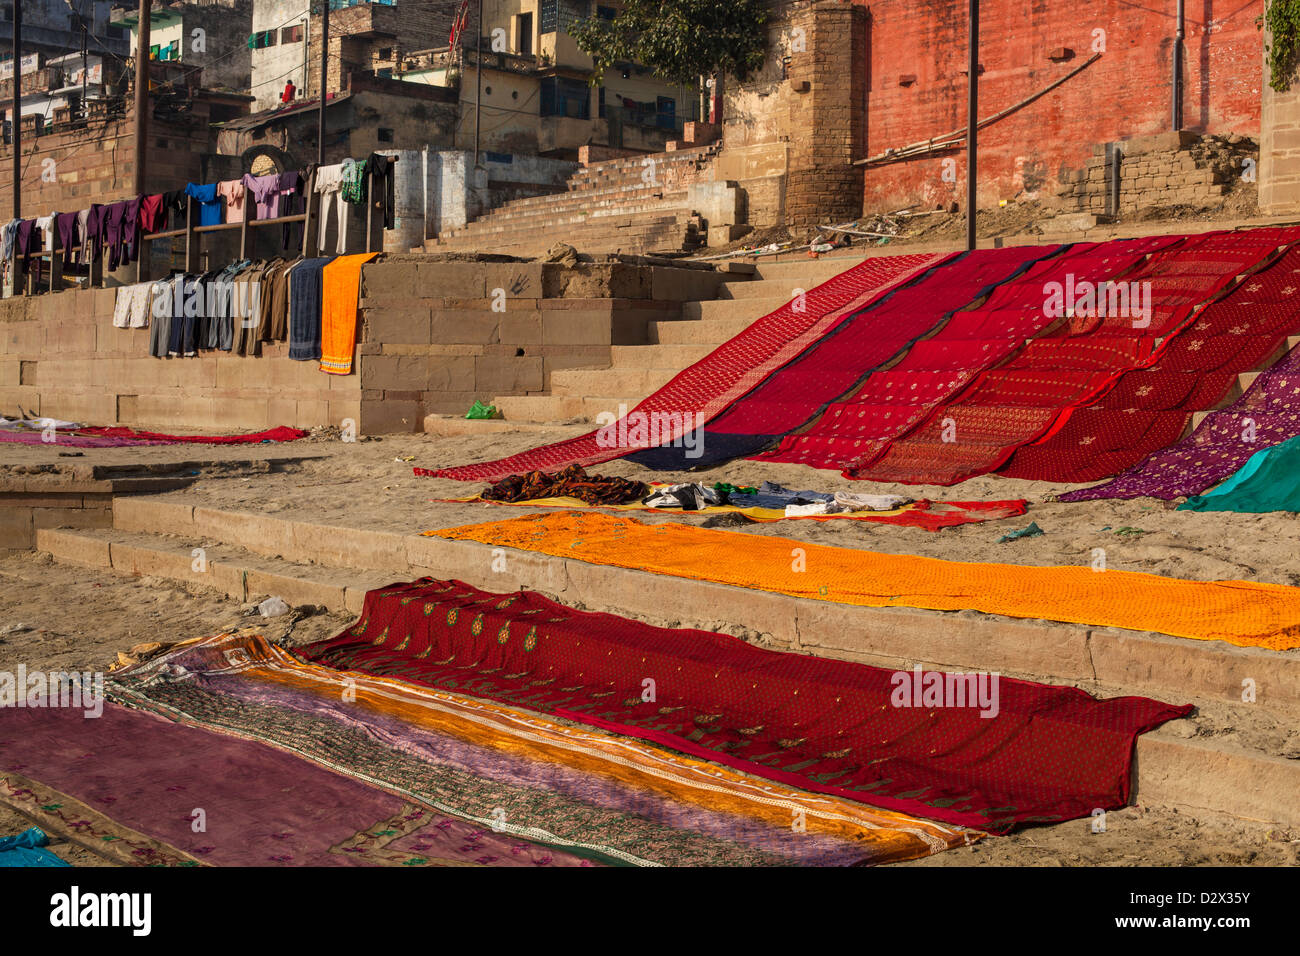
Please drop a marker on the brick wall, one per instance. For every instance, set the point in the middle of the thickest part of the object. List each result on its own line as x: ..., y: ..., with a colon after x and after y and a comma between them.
x: 98, y: 164
x: 1124, y: 94
x: 1168, y: 169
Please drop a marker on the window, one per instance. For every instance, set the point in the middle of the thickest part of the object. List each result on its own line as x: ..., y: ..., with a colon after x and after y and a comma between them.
x: 561, y: 96
x: 606, y: 13
x: 602, y: 103
x: 259, y: 41
x: 524, y: 34
x: 386, y: 53
x: 291, y: 34
x: 385, y: 135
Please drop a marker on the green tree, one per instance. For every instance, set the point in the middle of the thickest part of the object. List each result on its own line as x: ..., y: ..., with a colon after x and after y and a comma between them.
x: 679, y: 40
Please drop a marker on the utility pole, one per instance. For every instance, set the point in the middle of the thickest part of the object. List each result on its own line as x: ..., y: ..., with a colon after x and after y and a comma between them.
x: 141, y: 95
x: 16, y: 135
x: 972, y: 120
x: 1177, y: 109
x: 324, y: 81
x: 478, y: 70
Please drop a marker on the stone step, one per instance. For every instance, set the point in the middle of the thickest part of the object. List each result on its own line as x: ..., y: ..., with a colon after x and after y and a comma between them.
x: 560, y: 409
x: 609, y: 381
x: 813, y: 272
x: 309, y: 563
x: 712, y: 333
x: 642, y: 211
x: 722, y: 309
x: 657, y: 356
x: 224, y: 567
x: 593, y: 199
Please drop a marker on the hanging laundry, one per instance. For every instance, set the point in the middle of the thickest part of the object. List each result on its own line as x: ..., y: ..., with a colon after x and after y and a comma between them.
x: 153, y: 213
x: 305, y: 310
x: 69, y: 237
x: 340, y: 290
x: 210, y: 204
x: 383, y: 172
x: 329, y: 185
x: 232, y: 192
x: 132, y: 308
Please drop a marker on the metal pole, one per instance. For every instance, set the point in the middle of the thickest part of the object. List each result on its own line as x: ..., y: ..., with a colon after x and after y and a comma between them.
x: 324, y: 81
x: 972, y: 120
x: 478, y: 69
x: 85, y: 71
x: 1177, y: 110
x: 16, y: 135
x: 141, y: 95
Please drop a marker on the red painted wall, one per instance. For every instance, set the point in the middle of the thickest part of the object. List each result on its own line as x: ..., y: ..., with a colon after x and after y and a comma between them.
x: 1125, y: 93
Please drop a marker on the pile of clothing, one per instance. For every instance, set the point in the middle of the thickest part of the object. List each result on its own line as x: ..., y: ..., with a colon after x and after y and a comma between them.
x: 796, y: 504
x: 572, y: 482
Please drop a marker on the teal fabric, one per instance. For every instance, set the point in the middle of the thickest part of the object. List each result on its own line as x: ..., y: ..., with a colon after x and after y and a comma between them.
x: 25, y: 849
x: 1269, y: 481
x: 1031, y: 532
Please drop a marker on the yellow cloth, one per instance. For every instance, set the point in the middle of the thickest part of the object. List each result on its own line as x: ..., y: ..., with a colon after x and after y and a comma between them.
x: 1244, y: 613
x: 340, y: 289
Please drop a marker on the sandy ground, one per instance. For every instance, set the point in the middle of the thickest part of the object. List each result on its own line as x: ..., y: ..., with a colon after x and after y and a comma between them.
x: 370, y: 484
x: 80, y: 619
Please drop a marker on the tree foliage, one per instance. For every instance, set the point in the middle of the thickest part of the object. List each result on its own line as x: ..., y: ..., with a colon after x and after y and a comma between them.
x: 679, y: 40
x: 1283, y: 20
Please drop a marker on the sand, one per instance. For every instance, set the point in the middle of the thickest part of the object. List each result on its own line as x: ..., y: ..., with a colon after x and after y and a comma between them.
x: 80, y: 619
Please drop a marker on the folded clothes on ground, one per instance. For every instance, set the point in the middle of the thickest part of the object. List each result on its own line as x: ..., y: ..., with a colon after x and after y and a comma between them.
x: 772, y: 495
x: 687, y: 496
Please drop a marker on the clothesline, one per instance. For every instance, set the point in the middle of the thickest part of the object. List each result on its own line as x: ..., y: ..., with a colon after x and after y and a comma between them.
x: 310, y: 303
x: 115, y: 234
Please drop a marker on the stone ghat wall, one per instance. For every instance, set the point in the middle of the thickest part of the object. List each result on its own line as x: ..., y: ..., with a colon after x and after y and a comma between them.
x: 440, y: 335
x: 433, y: 338
x: 62, y: 357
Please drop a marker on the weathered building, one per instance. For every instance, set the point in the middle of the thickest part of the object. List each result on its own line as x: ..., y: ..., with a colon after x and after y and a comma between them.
x: 56, y: 27
x: 208, y: 35
x: 877, y: 81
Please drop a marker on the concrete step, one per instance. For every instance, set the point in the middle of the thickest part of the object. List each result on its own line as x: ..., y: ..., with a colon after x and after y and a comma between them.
x: 712, y: 333
x: 609, y: 381
x: 541, y: 408
x: 613, y: 197
x: 808, y: 273
x: 649, y: 210
x: 1173, y: 767
x: 722, y: 309
x: 224, y: 567
x: 657, y: 356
